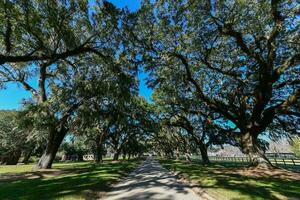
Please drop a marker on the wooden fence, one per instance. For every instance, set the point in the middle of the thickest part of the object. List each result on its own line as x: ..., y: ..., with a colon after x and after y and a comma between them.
x: 276, y: 161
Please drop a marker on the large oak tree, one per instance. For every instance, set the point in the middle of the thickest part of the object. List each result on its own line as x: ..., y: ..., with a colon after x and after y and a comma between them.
x: 53, y: 43
x: 240, y: 58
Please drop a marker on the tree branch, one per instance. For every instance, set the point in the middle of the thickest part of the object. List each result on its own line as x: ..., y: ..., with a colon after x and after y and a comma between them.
x: 228, y: 30
x: 216, y: 105
x: 56, y: 56
x: 292, y: 61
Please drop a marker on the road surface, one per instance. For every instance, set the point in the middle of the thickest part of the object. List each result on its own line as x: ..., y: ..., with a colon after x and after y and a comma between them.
x: 151, y: 181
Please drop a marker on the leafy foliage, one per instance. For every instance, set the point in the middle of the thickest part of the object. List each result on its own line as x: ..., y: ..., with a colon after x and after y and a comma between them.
x: 243, y: 70
x: 12, y: 139
x: 15, y: 139
x: 222, y: 72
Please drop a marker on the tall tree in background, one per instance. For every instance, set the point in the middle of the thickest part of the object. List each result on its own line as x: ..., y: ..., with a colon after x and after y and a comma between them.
x: 16, y: 139
x: 98, y: 117
x: 239, y: 58
x: 12, y: 138
x: 179, y: 107
x: 53, y: 42
x: 134, y: 119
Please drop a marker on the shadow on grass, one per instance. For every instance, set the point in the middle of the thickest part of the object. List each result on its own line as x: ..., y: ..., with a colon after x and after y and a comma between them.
x: 88, y: 182
x: 222, y: 180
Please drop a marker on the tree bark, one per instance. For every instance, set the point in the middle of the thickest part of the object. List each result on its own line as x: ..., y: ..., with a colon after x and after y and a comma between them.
x: 177, y: 153
x: 99, y: 153
x: 203, y: 151
x: 116, y: 155
x: 54, y: 140
x: 249, y: 145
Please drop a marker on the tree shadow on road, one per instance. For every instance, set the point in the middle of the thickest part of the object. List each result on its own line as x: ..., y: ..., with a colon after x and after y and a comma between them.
x: 146, y: 180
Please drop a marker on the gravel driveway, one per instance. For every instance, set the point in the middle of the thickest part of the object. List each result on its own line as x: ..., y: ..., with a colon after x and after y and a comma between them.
x: 151, y: 181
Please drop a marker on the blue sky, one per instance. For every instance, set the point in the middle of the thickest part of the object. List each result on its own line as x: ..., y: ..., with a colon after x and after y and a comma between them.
x: 12, y: 96
x: 131, y: 4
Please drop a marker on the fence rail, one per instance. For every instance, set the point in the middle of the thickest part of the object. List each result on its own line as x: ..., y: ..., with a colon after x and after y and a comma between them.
x: 276, y: 161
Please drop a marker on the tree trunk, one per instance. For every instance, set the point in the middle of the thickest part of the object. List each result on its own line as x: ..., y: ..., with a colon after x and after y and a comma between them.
x: 171, y: 155
x: 177, y: 153
x: 204, y: 156
x: 187, y: 157
x: 249, y: 145
x: 80, y: 157
x: 54, y: 141
x: 12, y: 158
x: 98, y: 157
x: 27, y: 156
x: 116, y: 156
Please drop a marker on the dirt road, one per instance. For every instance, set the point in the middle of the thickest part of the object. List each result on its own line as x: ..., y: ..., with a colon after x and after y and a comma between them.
x: 151, y: 181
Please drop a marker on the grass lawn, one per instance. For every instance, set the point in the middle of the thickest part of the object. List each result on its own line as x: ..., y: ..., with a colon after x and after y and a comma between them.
x: 82, y: 180
x: 235, y: 182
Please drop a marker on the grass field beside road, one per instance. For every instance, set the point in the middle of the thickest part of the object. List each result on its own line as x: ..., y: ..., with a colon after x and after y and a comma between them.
x: 81, y: 180
x: 235, y: 182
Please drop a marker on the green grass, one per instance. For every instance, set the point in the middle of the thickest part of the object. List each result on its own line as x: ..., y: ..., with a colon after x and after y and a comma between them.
x: 4, y: 169
x: 221, y: 181
x: 81, y: 180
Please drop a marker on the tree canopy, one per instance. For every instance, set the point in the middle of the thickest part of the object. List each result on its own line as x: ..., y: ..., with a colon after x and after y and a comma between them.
x: 240, y: 60
x: 222, y: 72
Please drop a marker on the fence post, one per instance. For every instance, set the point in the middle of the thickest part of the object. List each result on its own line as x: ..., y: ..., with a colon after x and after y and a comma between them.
x: 293, y: 161
x: 283, y: 161
x: 275, y: 160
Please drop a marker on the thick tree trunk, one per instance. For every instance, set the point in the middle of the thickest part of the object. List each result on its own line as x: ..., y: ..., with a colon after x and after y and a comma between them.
x: 116, y: 156
x: 249, y: 145
x: 99, y: 153
x: 203, y: 151
x: 54, y: 141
